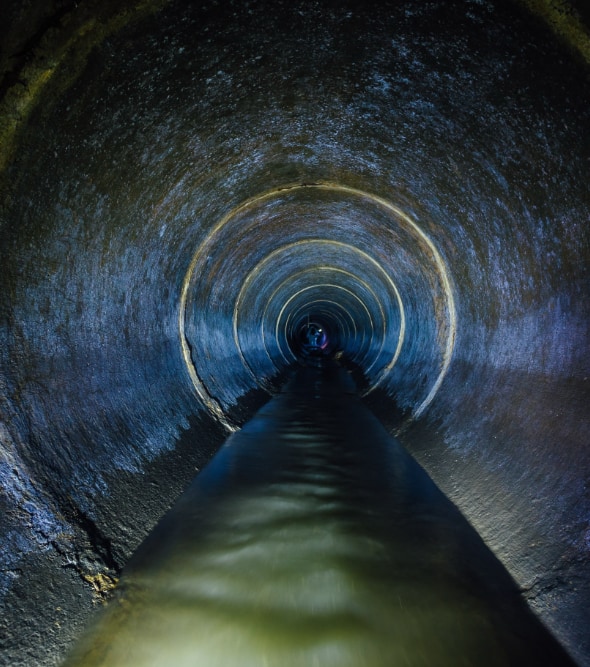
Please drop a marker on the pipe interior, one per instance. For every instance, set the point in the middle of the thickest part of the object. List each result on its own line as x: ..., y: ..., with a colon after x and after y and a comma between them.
x: 191, y: 192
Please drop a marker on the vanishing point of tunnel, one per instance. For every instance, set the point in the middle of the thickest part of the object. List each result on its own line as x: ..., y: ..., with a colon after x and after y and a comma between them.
x: 200, y: 199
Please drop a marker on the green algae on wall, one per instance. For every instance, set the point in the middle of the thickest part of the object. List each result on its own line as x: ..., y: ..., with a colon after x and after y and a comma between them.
x: 56, y: 59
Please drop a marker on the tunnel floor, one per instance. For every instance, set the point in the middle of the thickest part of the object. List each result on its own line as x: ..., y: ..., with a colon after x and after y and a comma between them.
x: 313, y: 538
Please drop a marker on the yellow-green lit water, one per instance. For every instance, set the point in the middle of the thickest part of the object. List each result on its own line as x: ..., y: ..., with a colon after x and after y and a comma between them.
x: 313, y: 539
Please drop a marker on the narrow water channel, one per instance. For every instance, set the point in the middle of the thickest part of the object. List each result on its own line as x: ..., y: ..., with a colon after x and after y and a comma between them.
x: 313, y: 538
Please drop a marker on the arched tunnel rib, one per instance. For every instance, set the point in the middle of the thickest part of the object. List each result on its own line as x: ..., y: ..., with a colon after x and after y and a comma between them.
x: 186, y: 186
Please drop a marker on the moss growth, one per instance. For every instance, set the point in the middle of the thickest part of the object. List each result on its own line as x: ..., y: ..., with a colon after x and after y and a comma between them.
x: 56, y: 60
x: 565, y: 22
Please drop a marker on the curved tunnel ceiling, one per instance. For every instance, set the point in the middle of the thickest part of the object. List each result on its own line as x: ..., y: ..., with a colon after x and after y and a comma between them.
x: 411, y: 177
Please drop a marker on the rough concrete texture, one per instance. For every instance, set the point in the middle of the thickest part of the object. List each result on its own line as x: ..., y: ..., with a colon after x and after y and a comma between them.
x: 416, y: 167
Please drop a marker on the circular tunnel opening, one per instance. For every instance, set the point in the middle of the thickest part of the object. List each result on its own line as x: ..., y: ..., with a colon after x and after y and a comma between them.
x: 281, y: 255
x: 313, y: 337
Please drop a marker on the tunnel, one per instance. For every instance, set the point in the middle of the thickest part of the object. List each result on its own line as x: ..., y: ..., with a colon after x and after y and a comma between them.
x: 197, y: 196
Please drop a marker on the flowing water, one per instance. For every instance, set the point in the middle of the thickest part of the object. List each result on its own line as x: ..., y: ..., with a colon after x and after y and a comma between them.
x: 313, y: 538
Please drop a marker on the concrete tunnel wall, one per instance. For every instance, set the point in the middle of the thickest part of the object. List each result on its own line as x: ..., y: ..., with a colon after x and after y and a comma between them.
x: 185, y: 183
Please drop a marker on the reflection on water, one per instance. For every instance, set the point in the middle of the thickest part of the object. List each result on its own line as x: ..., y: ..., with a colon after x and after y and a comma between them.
x: 312, y: 538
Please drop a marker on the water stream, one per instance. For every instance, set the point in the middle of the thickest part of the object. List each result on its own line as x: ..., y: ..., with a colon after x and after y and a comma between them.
x: 313, y: 538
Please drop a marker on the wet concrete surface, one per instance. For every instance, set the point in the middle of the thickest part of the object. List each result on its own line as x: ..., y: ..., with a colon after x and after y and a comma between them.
x: 313, y: 538
x: 255, y: 143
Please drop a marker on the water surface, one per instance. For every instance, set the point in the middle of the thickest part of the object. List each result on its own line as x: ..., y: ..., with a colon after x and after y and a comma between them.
x: 313, y: 538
